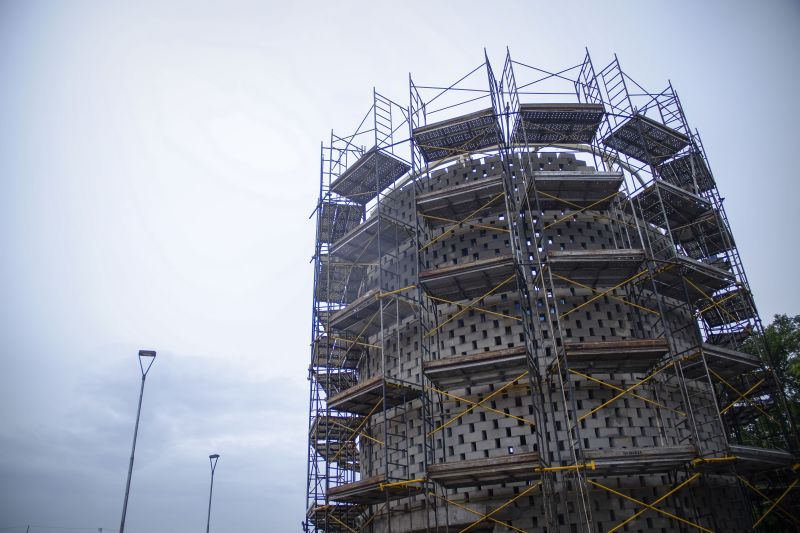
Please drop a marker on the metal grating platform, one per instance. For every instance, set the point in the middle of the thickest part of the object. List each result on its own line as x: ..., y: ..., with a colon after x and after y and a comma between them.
x: 638, y: 461
x: 336, y: 219
x: 680, y: 208
x: 456, y: 136
x: 363, y: 316
x: 628, y: 356
x: 369, y: 175
x: 702, y: 279
x: 498, y: 366
x: 371, y: 490
x: 595, y: 268
x: 724, y: 361
x: 727, y: 308
x: 558, y: 123
x: 489, y: 471
x: 751, y: 459
x: 645, y: 139
x: 336, y: 352
x: 363, y: 398
x: 366, y: 243
x: 576, y: 190
x: 338, y: 282
x: 688, y: 172
x: 469, y: 280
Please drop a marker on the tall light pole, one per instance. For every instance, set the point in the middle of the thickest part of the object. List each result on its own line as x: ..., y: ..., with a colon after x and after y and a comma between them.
x: 150, y: 356
x: 213, y: 460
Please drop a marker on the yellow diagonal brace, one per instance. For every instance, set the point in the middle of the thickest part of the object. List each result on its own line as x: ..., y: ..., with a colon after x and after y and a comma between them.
x: 397, y: 291
x: 509, y: 502
x: 739, y: 393
x: 473, y: 511
x: 652, y: 505
x: 348, y: 528
x: 716, y: 304
x: 360, y: 433
x: 359, y: 427
x: 403, y: 483
x: 780, y: 509
x: 776, y: 502
x: 354, y: 342
x: 447, y: 230
x: 492, y: 395
x: 475, y: 307
x: 570, y: 215
x: 626, y: 391
x: 600, y: 295
x: 698, y: 289
x: 623, y: 300
x: 620, y: 389
x: 470, y: 306
x: 742, y: 396
x: 482, y: 226
x: 498, y: 411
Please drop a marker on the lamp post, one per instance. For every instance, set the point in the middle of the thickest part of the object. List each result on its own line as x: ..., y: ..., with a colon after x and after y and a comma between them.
x: 213, y: 460
x: 150, y: 356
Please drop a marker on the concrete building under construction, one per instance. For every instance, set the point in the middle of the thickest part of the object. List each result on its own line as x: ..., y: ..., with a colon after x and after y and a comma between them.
x: 530, y: 315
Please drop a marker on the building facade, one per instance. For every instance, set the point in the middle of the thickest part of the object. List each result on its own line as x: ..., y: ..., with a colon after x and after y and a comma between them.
x: 530, y: 315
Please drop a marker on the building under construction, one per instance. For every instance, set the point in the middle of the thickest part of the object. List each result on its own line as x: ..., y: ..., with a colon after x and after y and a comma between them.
x: 530, y: 315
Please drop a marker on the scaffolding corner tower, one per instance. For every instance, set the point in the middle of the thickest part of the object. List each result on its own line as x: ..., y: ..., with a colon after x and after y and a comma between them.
x: 530, y: 314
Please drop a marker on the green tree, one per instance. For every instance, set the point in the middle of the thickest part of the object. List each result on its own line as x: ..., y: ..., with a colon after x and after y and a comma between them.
x: 782, y: 337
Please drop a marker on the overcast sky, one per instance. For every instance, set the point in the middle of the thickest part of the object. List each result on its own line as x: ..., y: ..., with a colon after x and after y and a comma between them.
x: 158, y: 163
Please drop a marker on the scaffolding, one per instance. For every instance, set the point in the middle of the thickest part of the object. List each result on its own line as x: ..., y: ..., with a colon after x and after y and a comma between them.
x: 530, y: 315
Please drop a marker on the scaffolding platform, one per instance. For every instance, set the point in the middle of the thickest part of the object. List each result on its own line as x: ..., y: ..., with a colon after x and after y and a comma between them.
x: 575, y: 189
x: 367, y: 242
x: 371, y: 490
x: 470, y: 279
x: 727, y: 308
x: 555, y: 123
x: 336, y: 219
x: 344, y: 454
x: 619, y: 356
x: 751, y: 459
x: 334, y: 428
x: 730, y: 338
x: 333, y: 383
x: 370, y: 175
x: 705, y: 237
x: 497, y: 366
x: 702, y: 279
x: 473, y: 199
x: 681, y: 208
x: 643, y: 138
x: 362, y: 398
x: 336, y: 352
x: 336, y: 518
x: 363, y: 316
x: 338, y: 282
x: 594, y: 268
x: 638, y: 461
x: 488, y: 471
x: 688, y: 172
x: 724, y: 361
x: 457, y: 136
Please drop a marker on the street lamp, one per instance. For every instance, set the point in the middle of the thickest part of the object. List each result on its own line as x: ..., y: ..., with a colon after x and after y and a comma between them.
x: 213, y: 460
x: 150, y: 357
